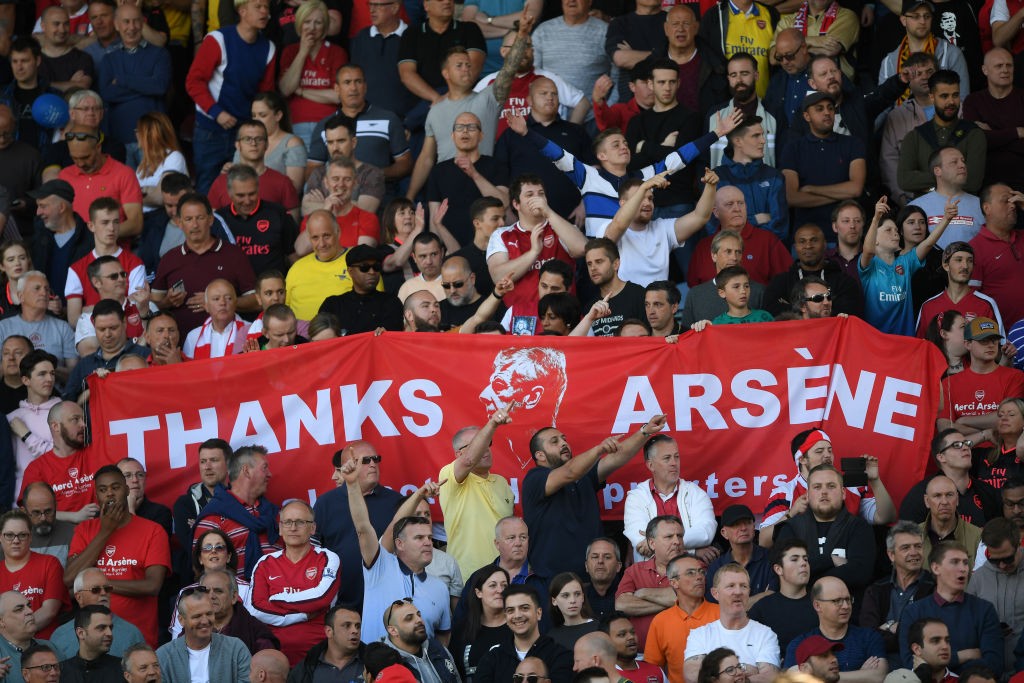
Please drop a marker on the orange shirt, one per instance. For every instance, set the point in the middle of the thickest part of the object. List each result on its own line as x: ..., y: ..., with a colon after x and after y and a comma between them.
x: 666, y: 640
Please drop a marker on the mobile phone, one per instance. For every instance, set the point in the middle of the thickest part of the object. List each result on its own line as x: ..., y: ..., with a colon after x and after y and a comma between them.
x: 178, y: 286
x: 854, y: 473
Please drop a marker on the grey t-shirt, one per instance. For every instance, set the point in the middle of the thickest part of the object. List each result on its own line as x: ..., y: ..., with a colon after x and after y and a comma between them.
x: 49, y: 334
x: 443, y: 114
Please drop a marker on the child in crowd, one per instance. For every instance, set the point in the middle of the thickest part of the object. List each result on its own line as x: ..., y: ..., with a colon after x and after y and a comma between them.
x: 733, y: 284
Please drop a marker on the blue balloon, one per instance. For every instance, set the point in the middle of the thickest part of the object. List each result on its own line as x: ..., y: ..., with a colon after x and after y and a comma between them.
x: 50, y: 111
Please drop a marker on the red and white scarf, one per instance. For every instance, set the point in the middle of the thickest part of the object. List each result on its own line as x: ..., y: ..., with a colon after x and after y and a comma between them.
x: 203, y: 348
x: 800, y: 20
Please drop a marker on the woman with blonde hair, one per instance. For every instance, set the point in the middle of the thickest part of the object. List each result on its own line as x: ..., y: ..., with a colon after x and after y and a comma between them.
x: 308, y: 69
x: 160, y: 154
x: 286, y: 153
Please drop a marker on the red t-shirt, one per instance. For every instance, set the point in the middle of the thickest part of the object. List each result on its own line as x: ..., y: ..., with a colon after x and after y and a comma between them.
x: 764, y: 257
x: 970, y: 307
x: 70, y: 477
x: 274, y: 187
x: 293, y: 597
x: 125, y: 557
x: 317, y: 74
x: 41, y: 579
x: 968, y: 393
x: 641, y: 575
x: 355, y: 224
x: 645, y: 672
x: 113, y: 179
x: 518, y: 101
x: 514, y: 241
x: 78, y: 283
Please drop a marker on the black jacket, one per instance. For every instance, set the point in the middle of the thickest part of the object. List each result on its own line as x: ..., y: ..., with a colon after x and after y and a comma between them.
x: 848, y: 532
x: 498, y: 665
x: 874, y: 609
x: 847, y: 296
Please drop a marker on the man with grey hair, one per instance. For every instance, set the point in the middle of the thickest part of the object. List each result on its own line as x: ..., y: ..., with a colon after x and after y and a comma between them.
x: 223, y: 333
x: 92, y: 587
x: 261, y: 226
x: 17, y: 634
x: 243, y: 513
x: 473, y: 499
x: 885, y: 599
x: 202, y: 654
x: 140, y: 664
x: 47, y: 332
x: 703, y: 300
x: 229, y: 617
x: 59, y: 232
x: 50, y: 535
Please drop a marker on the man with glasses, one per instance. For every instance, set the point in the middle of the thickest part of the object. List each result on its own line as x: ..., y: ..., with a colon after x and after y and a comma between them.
x: 811, y: 266
x: 202, y: 654
x: 133, y: 553
x: 462, y: 298
x: 523, y: 615
x: 50, y: 535
x: 273, y: 186
x: 788, y: 85
x: 531, y: 670
x: 94, y: 174
x: 394, y: 564
x: 334, y: 520
x: 974, y: 632
x: 38, y: 665
x: 978, y: 500
x: 916, y: 17
x: 92, y: 587
x: 1001, y: 578
x: 839, y: 544
x: 292, y: 589
x: 17, y: 634
x: 110, y: 280
x: 811, y: 298
x: 670, y: 629
x: 862, y: 648
x: 407, y: 634
x: 472, y: 498
x: 365, y: 308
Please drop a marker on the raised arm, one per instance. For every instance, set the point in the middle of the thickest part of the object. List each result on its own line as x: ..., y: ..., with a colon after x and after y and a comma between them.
x: 503, y: 81
x: 951, y: 211
x: 599, y: 310
x: 629, y: 209
x: 881, y: 209
x: 487, y: 309
x: 369, y: 546
x: 475, y: 449
x: 687, y: 225
x: 573, y: 240
x: 629, y: 446
x: 408, y: 509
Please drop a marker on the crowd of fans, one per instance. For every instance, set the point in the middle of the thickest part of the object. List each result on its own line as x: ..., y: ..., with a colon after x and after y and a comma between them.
x: 187, y: 180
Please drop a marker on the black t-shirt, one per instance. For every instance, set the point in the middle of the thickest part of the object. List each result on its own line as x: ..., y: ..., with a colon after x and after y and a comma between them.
x: 448, y: 181
x: 455, y: 316
x: 652, y: 127
x: 421, y: 45
x: 365, y: 312
x: 10, y: 398
x: 58, y: 69
x: 477, y: 258
x: 28, y: 130
x: 266, y: 237
x: 789, y: 618
x: 629, y: 303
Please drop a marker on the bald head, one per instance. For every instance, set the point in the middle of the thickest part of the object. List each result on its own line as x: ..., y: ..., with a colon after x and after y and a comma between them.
x: 270, y: 666
x: 595, y: 649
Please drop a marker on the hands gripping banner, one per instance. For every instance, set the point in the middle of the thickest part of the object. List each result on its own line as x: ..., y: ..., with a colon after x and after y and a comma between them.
x: 735, y: 396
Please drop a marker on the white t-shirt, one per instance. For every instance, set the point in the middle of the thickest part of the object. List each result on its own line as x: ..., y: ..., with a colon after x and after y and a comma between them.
x: 644, y: 254
x: 199, y: 665
x: 175, y: 161
x: 753, y: 643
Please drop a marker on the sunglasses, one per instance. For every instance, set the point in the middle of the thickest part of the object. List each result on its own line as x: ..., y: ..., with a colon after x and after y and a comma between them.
x: 80, y: 137
x: 367, y: 459
x: 452, y: 285
x: 114, y: 277
x: 528, y: 678
x: 392, y: 606
x: 214, y: 547
x: 96, y: 590
x: 192, y: 590
x: 367, y: 267
x: 818, y: 298
x: 1001, y: 561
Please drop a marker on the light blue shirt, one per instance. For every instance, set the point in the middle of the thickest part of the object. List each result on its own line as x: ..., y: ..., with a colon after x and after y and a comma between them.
x: 888, y: 305
x: 385, y: 582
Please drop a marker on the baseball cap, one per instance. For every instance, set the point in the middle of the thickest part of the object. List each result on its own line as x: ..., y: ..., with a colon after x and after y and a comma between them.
x: 813, y: 646
x: 813, y: 97
x: 736, y: 513
x: 361, y: 253
x: 911, y: 5
x: 60, y: 188
x: 954, y: 247
x: 982, y: 328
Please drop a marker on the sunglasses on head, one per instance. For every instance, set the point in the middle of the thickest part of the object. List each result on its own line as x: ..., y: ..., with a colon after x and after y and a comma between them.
x: 392, y: 606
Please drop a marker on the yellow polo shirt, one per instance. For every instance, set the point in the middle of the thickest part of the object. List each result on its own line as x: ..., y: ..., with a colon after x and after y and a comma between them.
x: 471, y: 509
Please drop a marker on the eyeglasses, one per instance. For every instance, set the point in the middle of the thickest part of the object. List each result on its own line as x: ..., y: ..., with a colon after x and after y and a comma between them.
x: 83, y: 107
x: 96, y: 590
x: 114, y: 277
x: 838, y: 602
x: 452, y: 285
x: 1013, y: 504
x: 252, y: 139
x: 818, y: 298
x: 45, y: 668
x: 40, y: 514
x: 528, y: 678
x: 731, y: 670
x: 80, y: 137
x: 392, y: 606
x: 10, y: 536
x: 295, y: 523
x: 466, y: 127
x: 214, y: 547
x: 367, y: 459
x: 690, y: 573
x: 367, y: 267
x: 7, y: 135
x: 957, y: 444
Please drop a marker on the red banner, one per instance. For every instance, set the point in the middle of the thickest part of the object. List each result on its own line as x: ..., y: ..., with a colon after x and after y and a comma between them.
x: 735, y: 396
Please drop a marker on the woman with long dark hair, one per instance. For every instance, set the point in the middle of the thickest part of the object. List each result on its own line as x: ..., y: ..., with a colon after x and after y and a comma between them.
x: 570, y: 612
x: 484, y: 624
